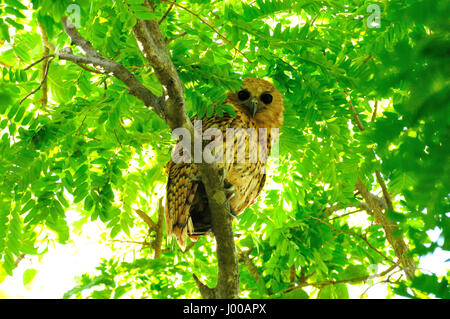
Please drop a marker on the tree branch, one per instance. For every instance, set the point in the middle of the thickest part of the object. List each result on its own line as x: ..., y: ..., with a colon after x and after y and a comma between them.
x: 205, y: 291
x: 386, y: 195
x: 354, y: 113
x: 109, y: 66
x: 344, y: 281
x: 45, y: 51
x: 44, y: 76
x: 375, y: 110
x: 244, y: 256
x: 151, y: 224
x: 171, y: 108
x: 153, y: 46
x: 166, y: 14
x: 356, y: 235
x: 159, y: 230
x: 39, y: 61
x: 397, y: 243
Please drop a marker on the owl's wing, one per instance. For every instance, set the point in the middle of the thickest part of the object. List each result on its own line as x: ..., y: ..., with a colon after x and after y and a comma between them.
x: 181, y: 186
x: 181, y: 189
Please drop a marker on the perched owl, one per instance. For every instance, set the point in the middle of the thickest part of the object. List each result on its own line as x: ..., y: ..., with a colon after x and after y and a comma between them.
x: 246, y: 144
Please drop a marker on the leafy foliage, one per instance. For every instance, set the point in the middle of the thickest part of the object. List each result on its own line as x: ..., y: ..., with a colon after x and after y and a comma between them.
x: 95, y: 148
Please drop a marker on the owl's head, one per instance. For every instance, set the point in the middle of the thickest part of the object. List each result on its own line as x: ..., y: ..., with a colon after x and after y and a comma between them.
x: 261, y: 100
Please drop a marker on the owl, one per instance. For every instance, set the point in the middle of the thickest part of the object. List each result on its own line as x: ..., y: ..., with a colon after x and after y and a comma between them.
x: 245, y: 141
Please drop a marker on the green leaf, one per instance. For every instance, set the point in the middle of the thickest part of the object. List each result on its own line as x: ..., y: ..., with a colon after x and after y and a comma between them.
x: 144, y: 15
x: 295, y: 294
x: 16, y: 4
x: 4, y: 31
x: 28, y: 276
x: 14, y: 23
x: 354, y: 271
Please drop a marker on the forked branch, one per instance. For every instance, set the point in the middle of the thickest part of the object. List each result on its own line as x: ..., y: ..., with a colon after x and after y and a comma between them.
x: 171, y: 108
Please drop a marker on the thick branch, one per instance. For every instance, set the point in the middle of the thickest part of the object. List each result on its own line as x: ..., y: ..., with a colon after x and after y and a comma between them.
x: 205, y: 291
x: 228, y: 276
x: 386, y: 195
x: 156, y: 227
x: 153, y: 46
x: 171, y: 107
x: 398, y: 244
x: 245, y: 257
x: 119, y: 71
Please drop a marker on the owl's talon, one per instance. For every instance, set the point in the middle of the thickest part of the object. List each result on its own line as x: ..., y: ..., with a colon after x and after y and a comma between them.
x: 222, y: 174
x: 229, y: 193
x: 232, y: 213
x: 229, y: 189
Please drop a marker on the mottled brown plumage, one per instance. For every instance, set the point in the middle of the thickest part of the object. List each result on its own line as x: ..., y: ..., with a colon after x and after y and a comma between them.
x: 258, y: 105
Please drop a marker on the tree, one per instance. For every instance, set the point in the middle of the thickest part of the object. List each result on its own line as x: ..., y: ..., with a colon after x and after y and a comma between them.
x: 90, y: 91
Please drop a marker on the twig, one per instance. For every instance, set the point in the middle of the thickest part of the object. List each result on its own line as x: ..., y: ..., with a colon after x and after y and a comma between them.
x: 45, y: 52
x: 210, y: 26
x: 356, y: 235
x: 89, y: 69
x: 47, y: 66
x: 45, y: 42
x: 374, y: 113
x: 315, y: 17
x: 151, y: 224
x: 327, y: 212
x: 81, y: 125
x: 386, y: 195
x: 19, y: 259
x: 39, y: 61
x: 368, y: 58
x: 159, y: 230
x: 143, y: 243
x: 117, y: 138
x: 346, y: 214
x: 158, y: 227
x: 354, y: 113
x: 166, y: 14
x: 344, y: 281
x: 292, y: 274
x: 182, y: 34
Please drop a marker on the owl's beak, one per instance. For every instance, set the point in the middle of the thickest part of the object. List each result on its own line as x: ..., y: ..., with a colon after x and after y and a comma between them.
x: 253, y: 106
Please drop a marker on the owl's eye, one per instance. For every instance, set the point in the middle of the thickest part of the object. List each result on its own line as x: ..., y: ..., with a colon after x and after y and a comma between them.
x: 266, y: 98
x: 243, y: 95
